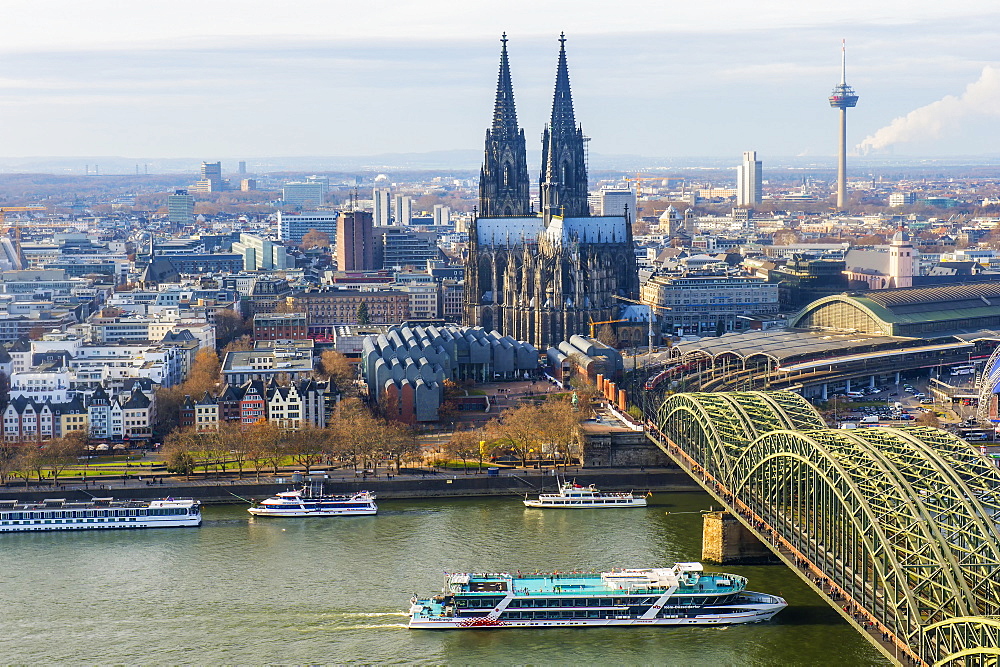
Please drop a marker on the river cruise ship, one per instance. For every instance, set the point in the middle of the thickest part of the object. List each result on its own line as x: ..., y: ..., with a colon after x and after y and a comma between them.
x: 311, y: 501
x: 574, y: 496
x: 98, y: 514
x: 681, y: 595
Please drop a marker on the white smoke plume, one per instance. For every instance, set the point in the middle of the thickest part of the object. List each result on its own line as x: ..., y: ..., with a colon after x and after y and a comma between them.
x: 981, y: 98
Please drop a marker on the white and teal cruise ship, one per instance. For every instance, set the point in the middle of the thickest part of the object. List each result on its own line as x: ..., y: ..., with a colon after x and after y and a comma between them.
x: 98, y: 514
x: 681, y: 595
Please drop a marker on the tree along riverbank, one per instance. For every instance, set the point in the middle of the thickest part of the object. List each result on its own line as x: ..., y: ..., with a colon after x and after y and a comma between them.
x: 509, y: 482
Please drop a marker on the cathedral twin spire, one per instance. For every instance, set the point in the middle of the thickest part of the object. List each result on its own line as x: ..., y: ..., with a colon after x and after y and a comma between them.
x: 503, y: 181
x: 503, y: 184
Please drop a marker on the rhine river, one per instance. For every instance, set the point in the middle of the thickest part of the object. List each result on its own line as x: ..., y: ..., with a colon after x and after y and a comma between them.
x: 335, y: 590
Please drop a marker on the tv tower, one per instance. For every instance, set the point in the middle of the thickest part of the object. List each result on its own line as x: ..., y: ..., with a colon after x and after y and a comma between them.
x: 843, y: 98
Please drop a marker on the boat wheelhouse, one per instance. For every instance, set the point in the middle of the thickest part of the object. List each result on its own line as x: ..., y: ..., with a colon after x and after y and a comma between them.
x: 311, y: 501
x: 575, y: 496
x: 97, y: 514
x: 681, y: 595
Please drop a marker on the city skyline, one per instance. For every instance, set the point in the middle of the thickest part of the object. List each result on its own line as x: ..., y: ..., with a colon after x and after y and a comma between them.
x: 313, y: 80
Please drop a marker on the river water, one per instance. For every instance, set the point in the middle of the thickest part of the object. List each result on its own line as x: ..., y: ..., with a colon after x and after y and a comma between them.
x: 293, y: 591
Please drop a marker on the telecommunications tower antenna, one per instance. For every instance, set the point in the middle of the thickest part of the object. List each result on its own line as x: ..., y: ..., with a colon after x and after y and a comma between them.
x: 843, y: 98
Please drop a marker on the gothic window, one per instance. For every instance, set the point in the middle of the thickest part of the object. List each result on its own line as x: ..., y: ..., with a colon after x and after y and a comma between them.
x: 508, y: 177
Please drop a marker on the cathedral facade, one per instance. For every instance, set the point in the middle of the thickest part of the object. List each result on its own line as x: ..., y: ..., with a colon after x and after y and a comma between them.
x: 543, y: 277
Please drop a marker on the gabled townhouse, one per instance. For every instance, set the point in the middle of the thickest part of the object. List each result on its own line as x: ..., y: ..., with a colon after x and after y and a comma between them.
x: 137, y: 414
x: 253, y: 403
x: 206, y: 413
x: 28, y: 420
x: 289, y: 406
x: 99, y: 413
x: 186, y: 413
x: 284, y: 406
x: 127, y: 416
x: 229, y: 403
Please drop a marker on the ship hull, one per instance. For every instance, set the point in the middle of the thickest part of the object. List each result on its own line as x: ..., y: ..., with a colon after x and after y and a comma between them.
x: 482, y: 622
x: 637, y: 502
x: 28, y: 527
x: 256, y: 511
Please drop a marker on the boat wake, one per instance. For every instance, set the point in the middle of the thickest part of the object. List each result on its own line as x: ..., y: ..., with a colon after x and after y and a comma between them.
x: 365, y: 626
x: 372, y: 614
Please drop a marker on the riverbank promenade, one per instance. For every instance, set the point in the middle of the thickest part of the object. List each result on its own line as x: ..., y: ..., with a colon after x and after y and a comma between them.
x: 411, y: 483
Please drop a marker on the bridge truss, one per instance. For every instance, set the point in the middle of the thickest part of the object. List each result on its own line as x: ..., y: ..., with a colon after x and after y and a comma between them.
x: 902, y: 521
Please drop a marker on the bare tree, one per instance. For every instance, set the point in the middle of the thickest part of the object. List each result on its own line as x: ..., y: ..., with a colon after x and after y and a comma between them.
x: 10, y: 459
x: 60, y: 453
x: 607, y: 335
x: 258, y: 441
x: 229, y: 325
x: 928, y: 419
x: 561, y: 428
x: 314, y: 238
x: 243, y: 343
x: 233, y: 439
x: 180, y: 451
x: 337, y: 368
x: 400, y: 443
x: 308, y: 446
x: 463, y: 445
x: 517, y: 430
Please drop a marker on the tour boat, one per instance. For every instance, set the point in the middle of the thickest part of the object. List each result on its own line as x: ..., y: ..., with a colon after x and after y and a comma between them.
x: 311, y: 501
x: 573, y: 495
x: 97, y: 513
x: 681, y: 595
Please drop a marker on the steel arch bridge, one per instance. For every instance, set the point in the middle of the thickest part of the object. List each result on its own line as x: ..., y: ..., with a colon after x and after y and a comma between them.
x: 901, y: 521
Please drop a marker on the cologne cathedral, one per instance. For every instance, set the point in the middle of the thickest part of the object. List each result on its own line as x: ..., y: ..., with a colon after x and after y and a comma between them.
x: 543, y: 277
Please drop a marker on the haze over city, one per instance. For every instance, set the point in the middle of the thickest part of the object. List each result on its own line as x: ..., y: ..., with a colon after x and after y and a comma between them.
x: 230, y: 79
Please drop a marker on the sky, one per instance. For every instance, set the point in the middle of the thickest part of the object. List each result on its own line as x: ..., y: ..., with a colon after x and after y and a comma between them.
x: 213, y: 79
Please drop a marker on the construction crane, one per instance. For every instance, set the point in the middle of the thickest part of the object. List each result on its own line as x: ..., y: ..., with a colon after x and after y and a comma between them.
x: 651, y: 307
x: 14, y: 231
x: 594, y: 324
x: 16, y: 227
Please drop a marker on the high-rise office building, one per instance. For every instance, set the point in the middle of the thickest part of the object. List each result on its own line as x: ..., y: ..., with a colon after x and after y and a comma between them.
x: 380, y: 207
x: 243, y: 168
x: 180, y: 208
x: 292, y: 227
x: 615, y: 201
x: 355, y: 242
x: 749, y: 182
x: 398, y: 247
x: 442, y: 215
x: 261, y: 254
x: 402, y: 206
x: 211, y: 178
x: 303, y: 195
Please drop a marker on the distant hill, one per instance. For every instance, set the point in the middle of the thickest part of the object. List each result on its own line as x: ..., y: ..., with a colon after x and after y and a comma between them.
x: 460, y: 160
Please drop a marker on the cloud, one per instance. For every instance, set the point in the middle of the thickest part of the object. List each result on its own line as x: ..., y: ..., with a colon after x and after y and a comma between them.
x: 981, y: 98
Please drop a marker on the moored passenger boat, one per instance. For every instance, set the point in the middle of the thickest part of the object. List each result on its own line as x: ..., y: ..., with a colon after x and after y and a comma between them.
x: 98, y: 514
x: 311, y: 501
x: 681, y: 595
x: 575, y: 496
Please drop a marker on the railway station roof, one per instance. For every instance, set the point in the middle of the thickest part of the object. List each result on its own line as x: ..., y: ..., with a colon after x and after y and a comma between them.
x: 800, y: 349
x: 786, y: 344
x: 911, y: 311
